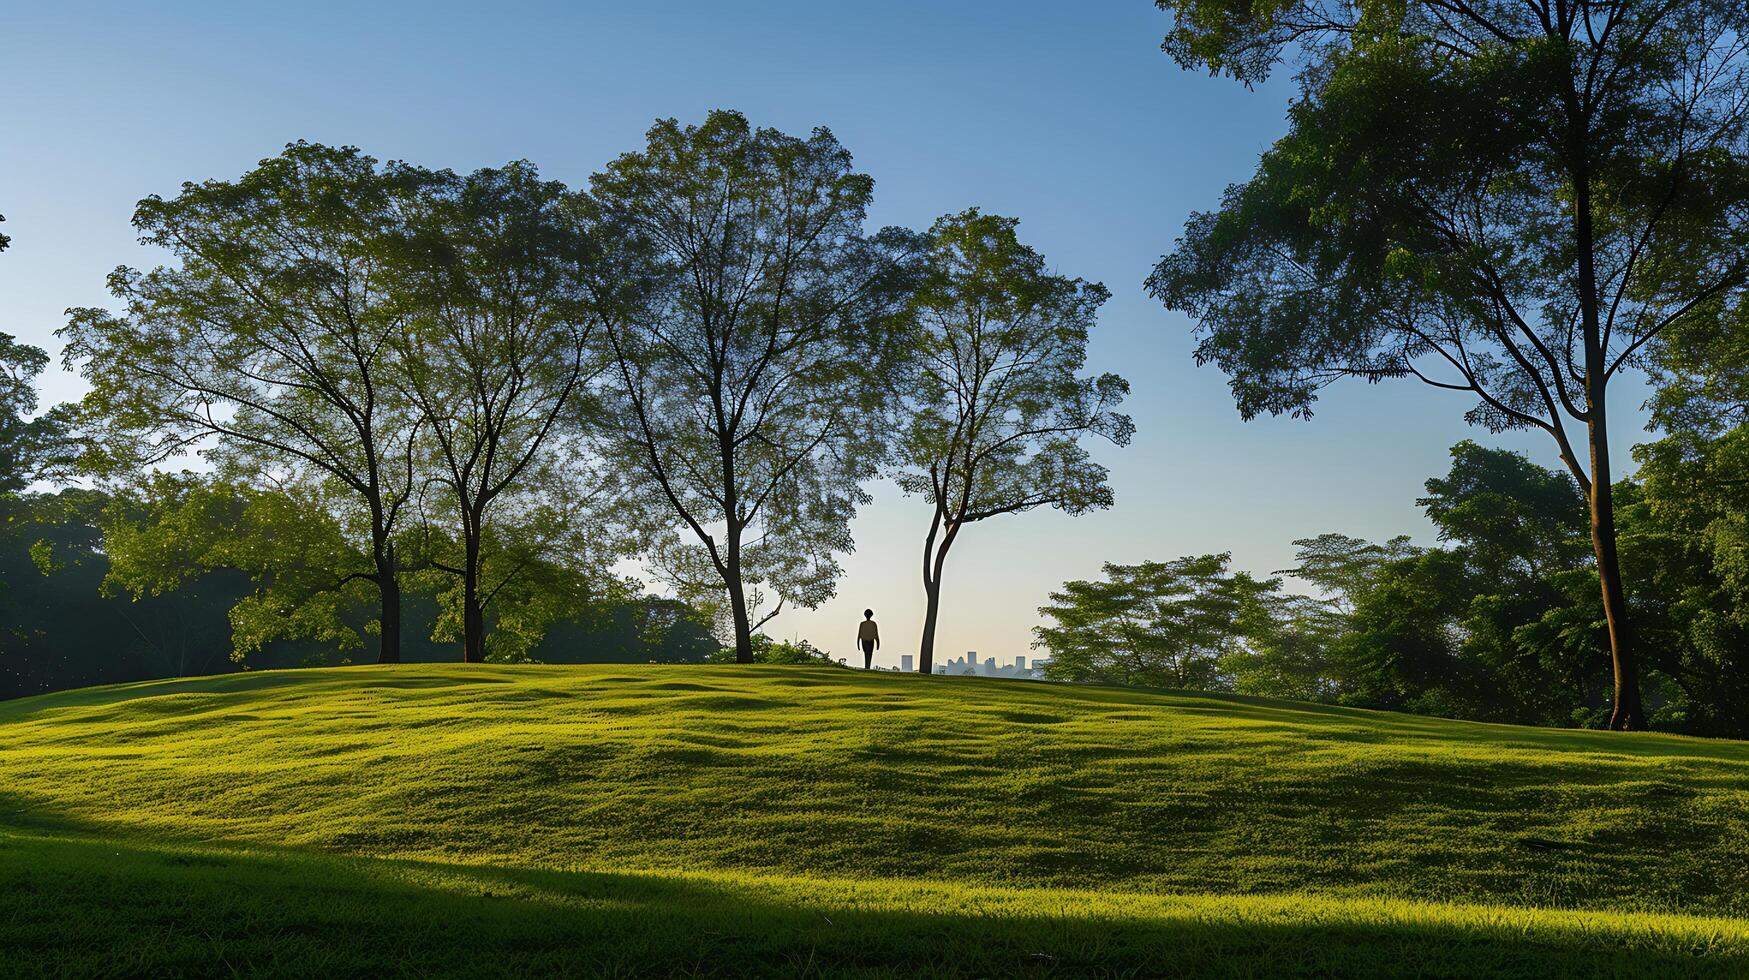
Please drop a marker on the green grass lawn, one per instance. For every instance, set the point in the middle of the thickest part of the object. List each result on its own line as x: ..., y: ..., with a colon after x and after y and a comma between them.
x: 798, y: 821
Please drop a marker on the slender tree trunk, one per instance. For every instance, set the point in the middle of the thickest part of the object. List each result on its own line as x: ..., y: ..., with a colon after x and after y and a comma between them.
x: 743, y: 624
x: 737, y: 596
x: 1627, y: 713
x: 934, y: 559
x: 931, y: 611
x: 473, y: 618
x: 389, y: 638
x: 389, y: 587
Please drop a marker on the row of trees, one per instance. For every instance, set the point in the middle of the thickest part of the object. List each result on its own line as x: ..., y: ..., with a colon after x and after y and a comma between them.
x: 1503, y: 621
x: 1514, y: 199
x: 70, y: 620
x: 495, y: 389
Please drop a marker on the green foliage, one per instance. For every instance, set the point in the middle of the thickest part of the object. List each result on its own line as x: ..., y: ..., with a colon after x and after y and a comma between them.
x: 309, y: 579
x: 748, y: 383
x: 1417, y: 220
x: 1344, y: 568
x: 30, y: 449
x: 1157, y: 624
x: 1504, y: 621
x: 844, y: 823
x: 1692, y: 536
x: 61, y: 630
x: 1398, y: 650
x: 386, y: 346
x: 493, y: 353
x: 1515, y: 519
x: 769, y: 651
x: 1286, y: 648
x: 268, y: 346
x: 996, y: 406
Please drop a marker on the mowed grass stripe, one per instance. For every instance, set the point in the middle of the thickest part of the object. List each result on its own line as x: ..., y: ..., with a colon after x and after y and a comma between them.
x: 1367, y: 829
x: 78, y: 906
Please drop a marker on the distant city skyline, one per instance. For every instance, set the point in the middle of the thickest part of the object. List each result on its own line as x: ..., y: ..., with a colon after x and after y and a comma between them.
x: 989, y: 666
x: 1066, y: 116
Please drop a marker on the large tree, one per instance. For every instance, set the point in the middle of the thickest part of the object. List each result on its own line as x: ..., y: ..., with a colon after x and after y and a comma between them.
x: 494, y: 354
x: 748, y: 378
x: 996, y: 407
x: 1508, y: 198
x: 269, y: 347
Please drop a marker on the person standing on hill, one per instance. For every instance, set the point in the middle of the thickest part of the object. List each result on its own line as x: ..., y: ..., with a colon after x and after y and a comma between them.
x: 868, y: 636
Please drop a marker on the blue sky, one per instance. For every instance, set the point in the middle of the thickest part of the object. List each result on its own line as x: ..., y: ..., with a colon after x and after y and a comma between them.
x: 1065, y: 115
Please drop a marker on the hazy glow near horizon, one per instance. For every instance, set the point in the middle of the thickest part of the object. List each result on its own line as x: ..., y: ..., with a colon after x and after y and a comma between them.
x: 1065, y: 115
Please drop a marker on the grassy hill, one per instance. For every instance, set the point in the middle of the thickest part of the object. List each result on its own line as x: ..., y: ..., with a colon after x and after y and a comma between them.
x: 784, y: 820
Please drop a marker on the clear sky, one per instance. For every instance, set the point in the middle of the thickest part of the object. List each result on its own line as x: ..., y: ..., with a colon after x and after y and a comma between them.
x: 1063, y: 114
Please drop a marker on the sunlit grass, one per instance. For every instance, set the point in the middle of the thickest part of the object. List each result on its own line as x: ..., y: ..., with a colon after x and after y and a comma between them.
x: 627, y: 818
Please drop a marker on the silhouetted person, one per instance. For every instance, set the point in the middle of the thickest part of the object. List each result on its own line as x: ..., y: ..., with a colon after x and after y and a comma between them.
x: 869, y: 635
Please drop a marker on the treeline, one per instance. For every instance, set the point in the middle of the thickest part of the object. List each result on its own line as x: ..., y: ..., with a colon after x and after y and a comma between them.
x: 499, y: 392
x: 1518, y: 202
x: 70, y: 624
x: 1502, y: 621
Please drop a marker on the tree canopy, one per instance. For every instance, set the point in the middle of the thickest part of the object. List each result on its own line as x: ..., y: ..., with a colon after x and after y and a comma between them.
x: 31, y: 449
x: 493, y: 355
x: 267, y: 348
x: 749, y: 375
x: 1156, y: 624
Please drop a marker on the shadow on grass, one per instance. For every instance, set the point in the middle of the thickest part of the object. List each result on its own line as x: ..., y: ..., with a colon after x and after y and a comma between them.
x: 75, y: 905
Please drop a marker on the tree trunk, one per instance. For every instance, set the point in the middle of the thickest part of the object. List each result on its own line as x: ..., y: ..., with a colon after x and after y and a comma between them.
x: 473, y: 618
x: 1627, y: 714
x: 933, y: 560
x: 731, y: 569
x: 932, y: 609
x: 738, y: 607
x: 389, y: 635
x: 389, y: 621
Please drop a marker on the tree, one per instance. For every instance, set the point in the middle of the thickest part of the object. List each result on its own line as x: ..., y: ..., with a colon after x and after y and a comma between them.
x: 1345, y: 567
x: 30, y: 449
x: 745, y: 393
x: 1156, y: 624
x: 1286, y: 647
x: 996, y: 408
x: 494, y: 354
x: 270, y: 347
x: 1504, y: 198
x: 1519, y: 534
x: 1402, y: 647
x: 5, y: 240
x: 1516, y: 519
x: 1696, y: 473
